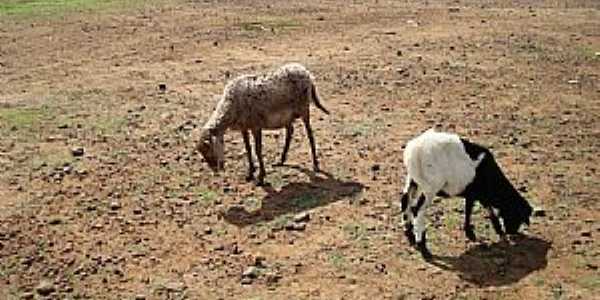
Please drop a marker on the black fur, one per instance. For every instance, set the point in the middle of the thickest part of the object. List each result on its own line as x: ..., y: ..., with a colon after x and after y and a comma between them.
x: 415, y: 209
x: 491, y: 187
x: 404, y: 199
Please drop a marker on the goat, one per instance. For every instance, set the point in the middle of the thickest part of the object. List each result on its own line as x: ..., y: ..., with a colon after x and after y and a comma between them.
x: 251, y: 103
x: 444, y: 164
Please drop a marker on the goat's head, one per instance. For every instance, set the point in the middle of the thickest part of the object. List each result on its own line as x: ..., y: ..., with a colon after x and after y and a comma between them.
x: 211, y: 147
x: 515, y: 214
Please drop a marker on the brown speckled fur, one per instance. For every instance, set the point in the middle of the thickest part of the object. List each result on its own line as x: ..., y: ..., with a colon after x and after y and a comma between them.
x: 251, y: 103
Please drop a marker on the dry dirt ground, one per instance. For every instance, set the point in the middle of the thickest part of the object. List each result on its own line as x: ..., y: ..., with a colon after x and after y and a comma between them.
x: 139, y: 216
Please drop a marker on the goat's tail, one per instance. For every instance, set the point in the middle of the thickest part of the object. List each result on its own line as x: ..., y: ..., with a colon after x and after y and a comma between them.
x: 315, y: 97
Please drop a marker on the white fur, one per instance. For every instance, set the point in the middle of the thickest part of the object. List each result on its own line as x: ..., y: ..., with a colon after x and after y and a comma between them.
x: 436, y: 161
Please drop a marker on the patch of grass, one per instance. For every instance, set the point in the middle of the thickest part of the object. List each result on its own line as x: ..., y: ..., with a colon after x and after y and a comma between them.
x: 36, y: 8
x: 355, y: 231
x: 305, y: 201
x: 539, y: 282
x: 206, y: 196
x: 51, y: 157
x: 590, y: 282
x: 587, y: 53
x: 24, y: 122
x: 280, y: 221
x: 337, y: 259
x: 365, y: 128
x: 268, y: 24
x: 252, y: 204
x: 108, y: 125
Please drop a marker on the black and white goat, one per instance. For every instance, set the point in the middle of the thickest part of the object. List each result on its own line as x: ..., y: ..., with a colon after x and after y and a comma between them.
x: 443, y: 164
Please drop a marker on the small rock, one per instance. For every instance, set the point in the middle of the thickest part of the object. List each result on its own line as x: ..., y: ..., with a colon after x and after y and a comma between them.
x: 137, y: 211
x: 302, y: 217
x: 219, y: 248
x: 175, y: 286
x: 55, y: 221
x: 250, y: 272
x: 77, y: 151
x: 235, y: 249
x: 140, y: 297
x: 293, y: 226
x: 259, y: 261
x: 592, y: 266
x: 453, y: 9
x: 375, y: 167
x: 539, y: 212
x: 573, y: 81
x: 45, y: 288
x: 586, y: 234
x: 272, y: 277
x: 67, y: 169
x: 63, y: 126
x: 246, y: 280
x: 597, y: 54
x: 162, y: 87
x: 27, y: 295
x: 207, y: 230
x: 114, y: 205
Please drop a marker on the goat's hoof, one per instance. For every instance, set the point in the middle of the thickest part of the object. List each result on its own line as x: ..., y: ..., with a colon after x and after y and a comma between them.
x: 425, y: 253
x: 249, y: 178
x: 316, y: 169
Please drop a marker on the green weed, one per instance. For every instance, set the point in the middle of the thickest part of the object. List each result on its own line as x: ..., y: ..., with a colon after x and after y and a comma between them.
x: 337, y: 259
x: 36, y: 8
x: 590, y: 282
x: 305, y: 201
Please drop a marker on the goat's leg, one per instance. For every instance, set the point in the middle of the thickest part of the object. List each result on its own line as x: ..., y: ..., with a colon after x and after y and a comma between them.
x: 469, y: 232
x: 311, y: 139
x: 251, y: 167
x: 257, y: 133
x: 495, y: 222
x: 289, y: 132
x: 407, y: 214
x: 419, y: 226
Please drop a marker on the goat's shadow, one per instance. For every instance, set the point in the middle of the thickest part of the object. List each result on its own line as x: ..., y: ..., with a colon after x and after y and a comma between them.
x: 500, y: 263
x: 295, y: 197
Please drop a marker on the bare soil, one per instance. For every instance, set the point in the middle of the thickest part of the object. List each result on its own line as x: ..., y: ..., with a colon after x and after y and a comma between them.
x: 139, y: 215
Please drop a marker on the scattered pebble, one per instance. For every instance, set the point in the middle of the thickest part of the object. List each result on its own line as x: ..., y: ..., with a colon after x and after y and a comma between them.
x: 246, y: 280
x: 45, y: 288
x: 539, y: 212
x: 293, y: 226
x: 250, y: 272
x: 207, y: 230
x: 140, y: 297
x: 115, y: 205
x: 55, y: 221
x: 77, y: 151
x: 302, y: 217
